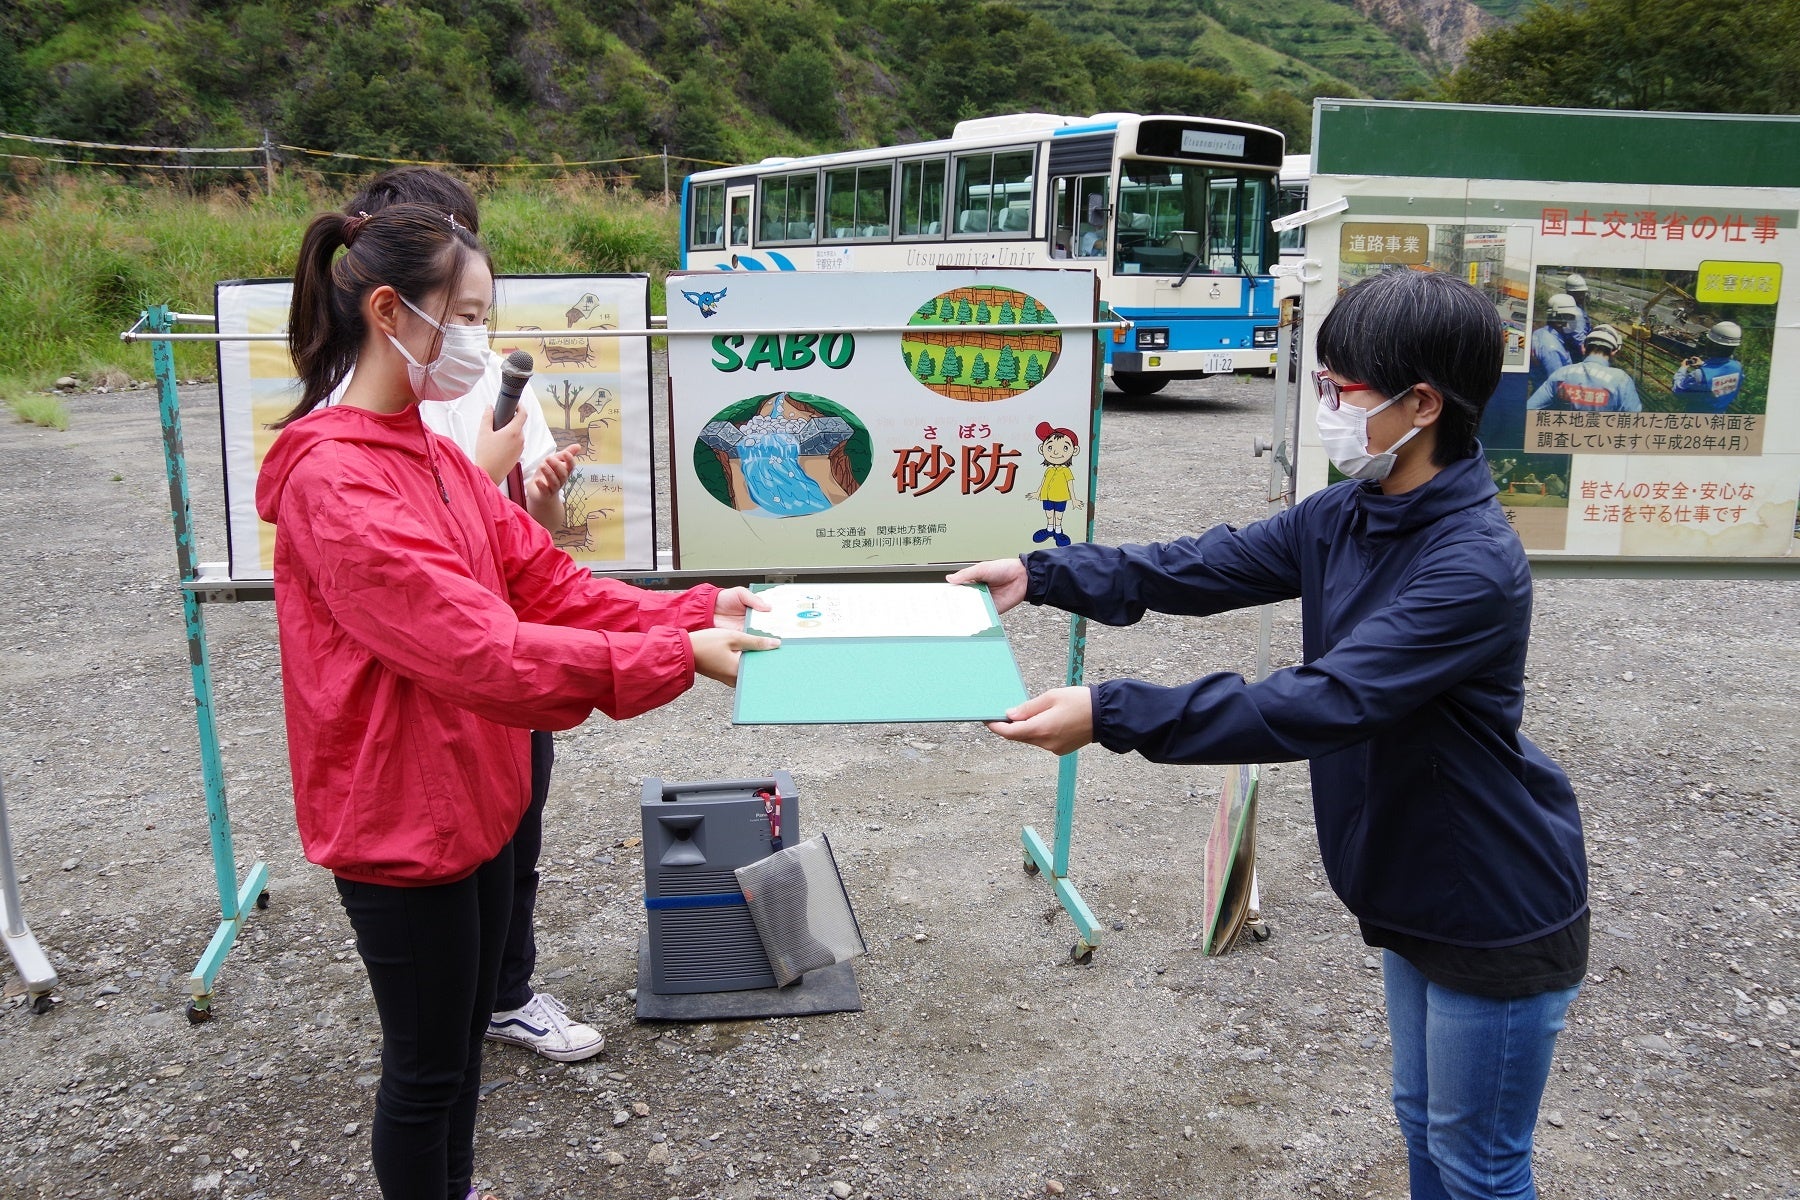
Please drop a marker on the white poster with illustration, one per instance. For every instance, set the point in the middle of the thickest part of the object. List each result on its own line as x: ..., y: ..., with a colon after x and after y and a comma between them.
x: 798, y: 442
x: 594, y: 392
x: 1650, y: 399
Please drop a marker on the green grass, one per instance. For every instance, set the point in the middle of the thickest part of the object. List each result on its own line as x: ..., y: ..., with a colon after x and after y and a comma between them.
x: 85, y: 256
x: 47, y: 411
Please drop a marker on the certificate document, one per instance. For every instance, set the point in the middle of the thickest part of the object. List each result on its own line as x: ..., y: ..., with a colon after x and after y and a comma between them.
x: 856, y: 653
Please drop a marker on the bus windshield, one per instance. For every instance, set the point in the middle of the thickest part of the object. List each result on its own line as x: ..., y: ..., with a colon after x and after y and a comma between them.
x: 1173, y: 218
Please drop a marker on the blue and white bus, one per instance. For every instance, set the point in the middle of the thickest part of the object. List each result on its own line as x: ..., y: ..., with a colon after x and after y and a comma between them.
x: 1171, y: 212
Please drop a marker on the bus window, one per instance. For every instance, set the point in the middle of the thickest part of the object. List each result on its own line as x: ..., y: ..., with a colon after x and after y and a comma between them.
x: 993, y: 192
x: 1080, y: 208
x: 856, y: 202
x: 1166, y: 211
x: 922, y: 198
x: 706, y: 217
x: 789, y: 208
x: 740, y: 218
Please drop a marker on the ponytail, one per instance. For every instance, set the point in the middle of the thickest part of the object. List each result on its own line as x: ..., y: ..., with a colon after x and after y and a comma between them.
x: 412, y: 248
x: 322, y: 341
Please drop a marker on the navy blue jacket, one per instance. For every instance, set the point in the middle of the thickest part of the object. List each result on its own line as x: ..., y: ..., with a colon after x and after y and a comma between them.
x: 1436, y: 816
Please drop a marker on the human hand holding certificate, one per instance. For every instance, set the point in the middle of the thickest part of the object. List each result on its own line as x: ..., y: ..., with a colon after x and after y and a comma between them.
x: 877, y: 652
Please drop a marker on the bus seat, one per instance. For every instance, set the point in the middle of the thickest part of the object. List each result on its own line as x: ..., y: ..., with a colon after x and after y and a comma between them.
x: 935, y: 227
x: 1014, y: 219
x: 972, y: 220
x: 799, y: 229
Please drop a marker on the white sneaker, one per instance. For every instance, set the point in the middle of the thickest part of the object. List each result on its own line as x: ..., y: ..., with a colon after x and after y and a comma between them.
x: 545, y: 1026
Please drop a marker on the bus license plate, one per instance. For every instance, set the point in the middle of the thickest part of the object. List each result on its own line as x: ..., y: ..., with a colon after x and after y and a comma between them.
x: 1216, y: 364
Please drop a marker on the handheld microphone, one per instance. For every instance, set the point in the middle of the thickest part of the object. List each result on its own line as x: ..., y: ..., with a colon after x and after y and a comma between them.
x: 513, y: 377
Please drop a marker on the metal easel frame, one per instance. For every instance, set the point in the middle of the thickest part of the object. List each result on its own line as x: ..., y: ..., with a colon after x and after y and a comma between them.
x: 34, y: 966
x: 1053, y: 860
x: 235, y: 899
x: 203, y: 583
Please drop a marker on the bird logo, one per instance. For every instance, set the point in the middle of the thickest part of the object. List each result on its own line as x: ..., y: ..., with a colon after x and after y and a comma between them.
x: 706, y: 302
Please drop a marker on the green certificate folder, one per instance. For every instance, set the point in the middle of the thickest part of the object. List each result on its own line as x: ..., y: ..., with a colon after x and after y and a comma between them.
x: 862, y: 653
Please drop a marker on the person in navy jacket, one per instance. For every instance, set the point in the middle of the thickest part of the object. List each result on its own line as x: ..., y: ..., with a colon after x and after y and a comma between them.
x: 1453, y: 839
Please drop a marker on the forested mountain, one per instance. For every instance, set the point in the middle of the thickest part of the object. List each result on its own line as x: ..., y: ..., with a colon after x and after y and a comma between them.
x: 722, y: 80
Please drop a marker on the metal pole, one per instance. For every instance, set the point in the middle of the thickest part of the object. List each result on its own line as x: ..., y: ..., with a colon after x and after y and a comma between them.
x: 268, y: 149
x: 34, y: 967
x: 1055, y: 858
x: 234, y: 901
x: 665, y: 158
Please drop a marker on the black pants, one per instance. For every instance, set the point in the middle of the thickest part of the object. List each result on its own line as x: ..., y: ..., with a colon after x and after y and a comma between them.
x: 520, y: 958
x: 433, y: 955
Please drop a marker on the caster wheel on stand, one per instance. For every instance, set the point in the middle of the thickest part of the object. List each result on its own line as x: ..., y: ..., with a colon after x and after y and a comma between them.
x: 43, y: 1004
x: 1081, y: 954
x: 197, y: 1013
x: 1031, y: 867
x: 262, y: 898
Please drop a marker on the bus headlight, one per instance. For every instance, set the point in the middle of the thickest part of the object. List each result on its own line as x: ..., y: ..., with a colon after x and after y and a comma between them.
x: 1264, y: 335
x: 1152, y: 339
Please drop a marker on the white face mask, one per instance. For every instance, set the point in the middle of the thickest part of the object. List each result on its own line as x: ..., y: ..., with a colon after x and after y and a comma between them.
x: 1345, y: 432
x: 460, y: 365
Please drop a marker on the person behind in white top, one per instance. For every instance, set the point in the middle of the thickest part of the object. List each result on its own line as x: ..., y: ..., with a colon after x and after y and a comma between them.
x: 522, y: 1016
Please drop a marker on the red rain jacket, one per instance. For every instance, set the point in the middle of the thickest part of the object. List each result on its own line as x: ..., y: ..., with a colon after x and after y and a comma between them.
x: 427, y: 623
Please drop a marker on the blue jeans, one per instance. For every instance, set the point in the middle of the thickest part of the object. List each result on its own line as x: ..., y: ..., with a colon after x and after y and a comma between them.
x: 1468, y: 1074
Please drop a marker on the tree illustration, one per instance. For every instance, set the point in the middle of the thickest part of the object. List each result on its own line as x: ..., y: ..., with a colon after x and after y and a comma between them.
x: 964, y: 313
x: 926, y: 367
x: 1034, y: 370
x: 946, y: 309
x: 983, y: 314
x: 953, y: 364
x: 908, y: 356
x: 926, y: 310
x: 1007, y: 315
x: 1028, y: 314
x: 1045, y: 316
x: 1006, y: 370
x: 566, y: 398
x: 978, y: 371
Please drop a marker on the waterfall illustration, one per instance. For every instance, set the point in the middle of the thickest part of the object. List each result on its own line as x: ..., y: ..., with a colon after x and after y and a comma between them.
x: 787, y: 461
x: 770, y: 453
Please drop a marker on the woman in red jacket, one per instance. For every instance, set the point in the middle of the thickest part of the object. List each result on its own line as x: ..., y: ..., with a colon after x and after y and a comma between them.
x: 427, y: 624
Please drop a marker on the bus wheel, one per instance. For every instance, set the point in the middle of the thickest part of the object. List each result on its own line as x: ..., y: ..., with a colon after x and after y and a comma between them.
x: 1136, y: 383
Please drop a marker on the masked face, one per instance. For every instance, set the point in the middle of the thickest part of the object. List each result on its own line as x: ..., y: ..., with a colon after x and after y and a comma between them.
x: 1345, y: 432
x: 460, y: 365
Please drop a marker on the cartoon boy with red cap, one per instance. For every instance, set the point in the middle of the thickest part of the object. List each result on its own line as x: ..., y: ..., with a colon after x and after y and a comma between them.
x: 1059, y: 447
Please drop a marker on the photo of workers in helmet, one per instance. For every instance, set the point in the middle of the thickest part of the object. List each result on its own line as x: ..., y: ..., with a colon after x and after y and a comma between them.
x: 1613, y: 339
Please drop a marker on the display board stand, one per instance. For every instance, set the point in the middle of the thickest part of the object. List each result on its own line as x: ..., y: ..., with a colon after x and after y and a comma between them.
x: 235, y: 898
x: 1054, y: 859
x: 212, y: 583
x: 34, y: 967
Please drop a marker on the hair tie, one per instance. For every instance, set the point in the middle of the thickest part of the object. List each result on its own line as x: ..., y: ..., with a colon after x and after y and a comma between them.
x: 353, y: 226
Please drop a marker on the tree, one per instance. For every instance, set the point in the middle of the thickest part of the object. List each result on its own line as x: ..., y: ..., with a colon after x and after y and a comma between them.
x: 953, y: 365
x: 927, y: 310
x: 1028, y: 312
x: 1006, y: 369
x: 926, y: 368
x: 1007, y: 315
x: 946, y: 309
x: 1720, y: 56
x: 806, y: 101
x: 1034, y: 370
x: 964, y: 313
x: 978, y: 371
x: 983, y: 314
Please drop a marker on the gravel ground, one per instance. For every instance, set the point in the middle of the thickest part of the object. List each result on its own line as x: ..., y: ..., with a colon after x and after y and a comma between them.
x: 986, y: 1063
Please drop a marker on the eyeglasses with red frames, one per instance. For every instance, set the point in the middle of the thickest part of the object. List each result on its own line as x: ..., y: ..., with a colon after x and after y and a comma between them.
x: 1331, y: 392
